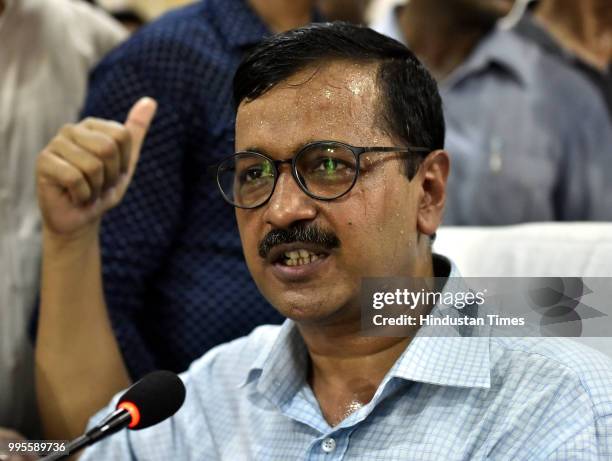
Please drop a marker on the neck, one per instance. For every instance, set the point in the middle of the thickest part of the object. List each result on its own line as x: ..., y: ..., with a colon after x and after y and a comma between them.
x: 282, y: 15
x: 344, y: 362
x: 442, y: 39
x: 583, y: 27
x: 347, y: 367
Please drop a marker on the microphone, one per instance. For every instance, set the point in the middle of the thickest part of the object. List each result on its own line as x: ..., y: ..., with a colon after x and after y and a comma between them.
x: 147, y: 402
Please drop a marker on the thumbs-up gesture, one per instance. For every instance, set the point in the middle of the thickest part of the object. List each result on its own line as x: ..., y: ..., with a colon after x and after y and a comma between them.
x: 86, y: 169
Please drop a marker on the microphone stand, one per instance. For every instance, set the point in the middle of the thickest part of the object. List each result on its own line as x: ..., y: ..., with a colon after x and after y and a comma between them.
x: 114, y: 422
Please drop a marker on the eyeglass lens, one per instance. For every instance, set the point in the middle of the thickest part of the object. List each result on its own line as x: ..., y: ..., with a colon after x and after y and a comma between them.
x: 326, y: 171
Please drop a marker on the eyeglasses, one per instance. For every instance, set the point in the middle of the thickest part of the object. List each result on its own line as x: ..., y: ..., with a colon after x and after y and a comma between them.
x: 324, y: 170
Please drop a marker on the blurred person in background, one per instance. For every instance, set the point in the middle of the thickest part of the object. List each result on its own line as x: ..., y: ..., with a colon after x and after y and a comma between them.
x: 528, y: 136
x: 171, y: 247
x: 578, y: 33
x: 443, y: 32
x: 48, y: 47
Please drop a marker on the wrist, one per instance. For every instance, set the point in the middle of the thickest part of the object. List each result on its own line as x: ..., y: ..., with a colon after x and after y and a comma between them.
x: 54, y: 242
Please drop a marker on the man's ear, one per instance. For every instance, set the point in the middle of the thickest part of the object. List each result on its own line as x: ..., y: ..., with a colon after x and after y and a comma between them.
x: 433, y: 175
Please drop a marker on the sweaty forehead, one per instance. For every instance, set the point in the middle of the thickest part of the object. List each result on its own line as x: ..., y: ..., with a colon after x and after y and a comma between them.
x: 333, y: 101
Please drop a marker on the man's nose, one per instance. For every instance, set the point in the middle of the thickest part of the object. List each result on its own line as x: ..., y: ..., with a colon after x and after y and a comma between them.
x: 288, y: 204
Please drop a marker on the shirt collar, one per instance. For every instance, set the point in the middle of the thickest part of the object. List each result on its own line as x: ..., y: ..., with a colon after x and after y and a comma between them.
x: 528, y: 27
x: 279, y: 369
x: 502, y: 49
x: 458, y: 358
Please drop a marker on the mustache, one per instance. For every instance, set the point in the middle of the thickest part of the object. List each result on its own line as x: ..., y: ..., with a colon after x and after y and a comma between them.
x: 298, y: 233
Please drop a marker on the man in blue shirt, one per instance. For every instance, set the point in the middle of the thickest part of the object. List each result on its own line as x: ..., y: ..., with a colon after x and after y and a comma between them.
x: 340, y: 174
x: 578, y: 35
x: 529, y: 136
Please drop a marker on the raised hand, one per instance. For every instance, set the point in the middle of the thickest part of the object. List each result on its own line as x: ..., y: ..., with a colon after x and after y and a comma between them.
x: 86, y: 169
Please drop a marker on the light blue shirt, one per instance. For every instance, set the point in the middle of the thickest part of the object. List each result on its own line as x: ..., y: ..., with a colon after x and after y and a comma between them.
x: 529, y: 138
x: 446, y: 398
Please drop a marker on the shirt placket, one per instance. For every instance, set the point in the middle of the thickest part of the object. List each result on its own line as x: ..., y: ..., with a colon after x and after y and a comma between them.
x: 331, y: 446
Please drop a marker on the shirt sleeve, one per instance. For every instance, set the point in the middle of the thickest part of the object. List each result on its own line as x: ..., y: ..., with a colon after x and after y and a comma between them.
x: 136, y: 236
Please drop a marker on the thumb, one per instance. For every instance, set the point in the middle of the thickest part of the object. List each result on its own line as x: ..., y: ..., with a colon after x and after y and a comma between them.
x: 137, y: 123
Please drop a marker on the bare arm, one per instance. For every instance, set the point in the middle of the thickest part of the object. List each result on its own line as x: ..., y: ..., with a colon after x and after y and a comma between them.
x: 81, y: 174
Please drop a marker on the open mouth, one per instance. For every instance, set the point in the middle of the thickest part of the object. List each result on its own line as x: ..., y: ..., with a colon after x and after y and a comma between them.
x: 298, y: 262
x: 297, y: 254
x: 299, y: 257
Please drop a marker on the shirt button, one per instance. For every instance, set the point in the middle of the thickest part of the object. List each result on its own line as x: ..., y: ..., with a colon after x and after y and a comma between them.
x: 328, y: 445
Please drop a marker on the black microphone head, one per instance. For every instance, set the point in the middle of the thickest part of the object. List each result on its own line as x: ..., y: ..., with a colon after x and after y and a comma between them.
x: 156, y: 397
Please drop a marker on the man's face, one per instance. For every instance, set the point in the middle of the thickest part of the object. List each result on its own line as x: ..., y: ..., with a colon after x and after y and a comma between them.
x: 375, y: 223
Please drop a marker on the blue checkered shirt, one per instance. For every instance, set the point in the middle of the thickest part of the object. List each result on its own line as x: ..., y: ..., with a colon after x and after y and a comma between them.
x: 445, y: 399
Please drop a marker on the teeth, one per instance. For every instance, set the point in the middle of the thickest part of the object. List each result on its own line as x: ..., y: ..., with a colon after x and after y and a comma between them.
x: 298, y: 254
x: 299, y: 257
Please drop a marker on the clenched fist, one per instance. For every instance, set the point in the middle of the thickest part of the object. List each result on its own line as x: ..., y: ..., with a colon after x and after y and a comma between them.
x: 86, y: 169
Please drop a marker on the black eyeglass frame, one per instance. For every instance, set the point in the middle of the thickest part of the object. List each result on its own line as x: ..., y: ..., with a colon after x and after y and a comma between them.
x: 357, y: 152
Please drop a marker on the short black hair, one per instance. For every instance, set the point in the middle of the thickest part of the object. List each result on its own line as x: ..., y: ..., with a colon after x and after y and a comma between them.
x: 410, y: 109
